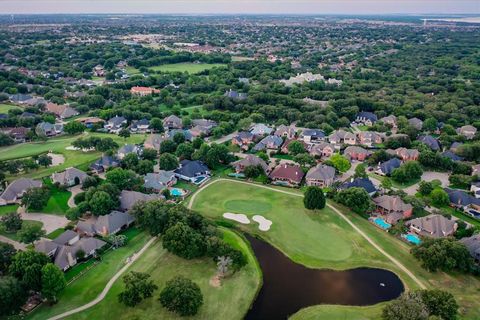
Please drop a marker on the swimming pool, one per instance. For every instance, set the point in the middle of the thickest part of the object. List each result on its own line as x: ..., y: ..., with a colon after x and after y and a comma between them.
x: 412, y: 238
x: 200, y: 179
x: 176, y: 192
x: 382, y: 223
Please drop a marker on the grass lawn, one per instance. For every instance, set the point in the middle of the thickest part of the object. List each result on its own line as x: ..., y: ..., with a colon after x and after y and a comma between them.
x: 131, y: 71
x: 87, y: 287
x: 283, y: 156
x: 5, y: 107
x: 186, y: 67
x: 14, y: 235
x: 58, y: 202
x: 395, y: 184
x: 7, y: 209
x: 55, y: 233
x: 330, y: 312
x: 230, y: 301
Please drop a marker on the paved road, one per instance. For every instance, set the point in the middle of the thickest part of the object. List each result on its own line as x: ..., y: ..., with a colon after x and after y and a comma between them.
x: 17, y: 245
x: 363, y: 234
x: 74, y: 190
x: 50, y: 222
x: 429, y: 176
x: 109, y: 285
x: 223, y: 139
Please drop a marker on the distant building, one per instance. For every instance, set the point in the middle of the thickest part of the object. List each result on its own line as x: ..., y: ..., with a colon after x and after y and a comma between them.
x: 467, y: 131
x: 70, y: 177
x: 363, y: 183
x: 366, y: 118
x: 192, y: 171
x: 115, y: 124
x: 143, y: 91
x: 386, y: 168
x: 235, y: 95
x: 287, y: 175
x: 172, y: 122
x: 15, y: 190
x: 393, y: 208
x: 250, y: 161
x: 320, y: 176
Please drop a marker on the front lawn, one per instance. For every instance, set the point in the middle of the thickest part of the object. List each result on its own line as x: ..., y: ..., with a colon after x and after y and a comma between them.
x: 229, y: 301
x: 58, y: 202
x: 5, y: 107
x: 7, y: 209
x: 14, y: 235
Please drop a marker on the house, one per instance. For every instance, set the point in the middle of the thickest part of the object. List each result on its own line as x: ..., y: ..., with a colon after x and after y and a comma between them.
x: 192, y: 171
x: 159, y: 181
x: 18, y: 134
x: 287, y: 143
x: 366, y: 118
x: 430, y: 141
x: 68, y: 237
x: 105, y: 162
x: 369, y: 138
x: 98, y: 71
x: 61, y: 111
x: 386, y: 168
x: 200, y: 131
x: 287, y: 175
x: 19, y: 98
x: 462, y: 200
x: 48, y: 129
x: 455, y: 146
x: 204, y: 123
x: 467, y: 131
x: 143, y: 91
x: 320, y: 176
x: 27, y: 115
x: 312, y: 136
x: 129, y: 198
x: 476, y: 170
x: 89, y: 122
x: 356, y: 153
x: 405, y: 154
x: 393, y: 208
x: 260, y: 129
x: 172, y: 122
x: 269, y: 142
x: 140, y: 126
x: 15, y: 190
x: 235, y: 95
x: 105, y: 225
x: 433, y: 226
x: 475, y: 189
x: 390, y: 120
x: 323, y: 149
x: 339, y: 137
x: 285, y: 131
x: 363, y: 183
x: 186, y: 134
x: 249, y: 161
x: 243, y: 139
x: 115, y: 124
x: 70, y: 177
x: 451, y: 155
x: 473, y: 245
x: 126, y: 149
x: 416, y: 123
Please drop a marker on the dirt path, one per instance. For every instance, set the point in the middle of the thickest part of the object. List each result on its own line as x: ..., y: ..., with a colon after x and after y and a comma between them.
x: 363, y: 234
x: 109, y: 285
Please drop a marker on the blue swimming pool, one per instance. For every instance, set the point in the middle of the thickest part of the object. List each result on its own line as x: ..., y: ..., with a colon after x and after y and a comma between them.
x: 382, y: 223
x: 200, y: 179
x: 176, y: 192
x: 412, y: 238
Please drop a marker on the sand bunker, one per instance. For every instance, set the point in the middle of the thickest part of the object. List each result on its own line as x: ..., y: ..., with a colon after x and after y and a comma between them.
x: 263, y: 223
x: 57, y: 159
x: 238, y: 217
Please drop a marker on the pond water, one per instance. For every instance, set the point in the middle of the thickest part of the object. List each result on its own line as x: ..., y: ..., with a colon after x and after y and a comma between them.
x: 289, y: 287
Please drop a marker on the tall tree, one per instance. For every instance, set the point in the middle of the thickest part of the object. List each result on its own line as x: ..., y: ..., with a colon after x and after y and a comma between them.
x: 138, y: 286
x: 53, y: 282
x: 314, y: 198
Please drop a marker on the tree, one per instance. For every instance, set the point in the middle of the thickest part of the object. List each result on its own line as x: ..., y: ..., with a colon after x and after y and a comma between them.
x: 223, y: 263
x: 178, y: 138
x: 408, y: 307
x: 314, y: 198
x: 304, y: 159
x: 6, y: 140
x: 12, y: 296
x: 44, y: 160
x: 185, y: 151
x: 12, y: 222
x: 439, y: 197
x: 430, y: 124
x: 182, y: 296
x: 144, y: 167
x: 130, y: 161
x: 117, y: 240
x: 168, y: 146
x: 124, y: 133
x: 425, y: 188
x: 386, y: 183
x: 30, y: 233
x: 101, y: 203
x: 89, y: 182
x: 73, y: 214
x: 409, y: 171
x: 253, y: 171
x: 36, y: 198
x: 138, y: 286
x: 440, y: 303
x: 27, y: 267
x: 168, y: 162
x: 53, y: 282
x: 156, y: 124
x: 360, y: 171
x: 7, y: 251
x: 149, y: 154
x: 184, y: 241
x: 339, y: 162
x: 296, y: 147
x: 356, y: 199
x: 124, y: 179
x: 74, y: 127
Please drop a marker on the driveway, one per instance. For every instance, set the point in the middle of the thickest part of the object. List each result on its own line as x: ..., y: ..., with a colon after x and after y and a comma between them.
x: 429, y: 176
x: 74, y: 190
x: 223, y: 139
x: 17, y: 245
x: 50, y: 222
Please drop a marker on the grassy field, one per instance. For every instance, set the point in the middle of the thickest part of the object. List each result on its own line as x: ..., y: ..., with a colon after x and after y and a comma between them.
x: 58, y: 202
x: 92, y: 283
x: 5, y: 107
x: 7, y: 209
x: 14, y: 235
x: 333, y: 312
x: 186, y: 67
x: 230, y: 301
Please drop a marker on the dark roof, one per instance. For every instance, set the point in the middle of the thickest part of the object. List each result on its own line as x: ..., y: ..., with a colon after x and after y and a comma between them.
x: 430, y: 142
x: 191, y: 168
x: 461, y: 198
x: 314, y: 133
x: 364, y: 183
x: 449, y: 154
x: 367, y: 115
x: 65, y: 237
x: 388, y: 166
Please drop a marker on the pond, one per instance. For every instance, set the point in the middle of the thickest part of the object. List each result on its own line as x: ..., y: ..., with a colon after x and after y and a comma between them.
x: 289, y: 287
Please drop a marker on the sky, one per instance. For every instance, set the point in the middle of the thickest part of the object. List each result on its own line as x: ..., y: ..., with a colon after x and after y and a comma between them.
x: 242, y: 6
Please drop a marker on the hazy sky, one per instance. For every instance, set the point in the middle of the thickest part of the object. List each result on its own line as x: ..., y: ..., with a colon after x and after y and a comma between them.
x: 241, y: 6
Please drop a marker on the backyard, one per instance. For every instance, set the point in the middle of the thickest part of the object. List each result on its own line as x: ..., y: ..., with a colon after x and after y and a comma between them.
x: 5, y: 107
x: 186, y: 67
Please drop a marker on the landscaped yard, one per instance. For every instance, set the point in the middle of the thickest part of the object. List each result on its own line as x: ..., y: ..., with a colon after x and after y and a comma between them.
x: 186, y: 67
x: 5, y: 107
x: 330, y: 312
x: 230, y: 301
x: 7, y: 209
x: 58, y: 202
x: 55, y: 233
x: 14, y: 235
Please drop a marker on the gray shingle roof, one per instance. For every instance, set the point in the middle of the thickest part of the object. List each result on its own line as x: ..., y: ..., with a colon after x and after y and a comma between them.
x: 321, y: 172
x: 16, y: 189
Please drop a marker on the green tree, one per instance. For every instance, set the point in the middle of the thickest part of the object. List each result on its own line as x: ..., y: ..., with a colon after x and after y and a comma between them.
x: 182, y: 296
x: 178, y: 138
x: 185, y: 151
x: 440, y: 303
x: 314, y: 198
x: 144, y: 167
x: 408, y: 307
x: 44, y: 160
x: 101, y: 203
x: 124, y: 133
x: 356, y: 199
x: 12, y: 296
x: 168, y: 162
x: 27, y: 267
x: 439, y: 197
x: 360, y: 171
x: 30, y: 233
x: 149, y: 154
x: 7, y: 251
x: 409, y: 171
x: 53, y: 282
x: 184, y: 241
x: 74, y: 127
x: 124, y: 179
x: 130, y: 161
x: 156, y: 124
x: 296, y: 147
x: 36, y: 198
x: 12, y: 222
x: 339, y: 162
x: 425, y: 188
x: 168, y: 146
x: 138, y: 286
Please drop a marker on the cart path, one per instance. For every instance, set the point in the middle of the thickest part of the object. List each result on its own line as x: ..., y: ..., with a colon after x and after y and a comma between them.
x: 109, y: 285
x: 363, y: 234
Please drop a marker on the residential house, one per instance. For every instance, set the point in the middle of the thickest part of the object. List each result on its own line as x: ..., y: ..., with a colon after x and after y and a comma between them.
x: 48, y: 129
x: 128, y: 148
x: 159, y: 181
x: 323, y: 149
x: 462, y: 200
x: 476, y: 170
x: 15, y: 190
x: 390, y: 120
x: 430, y: 141
x: 186, y: 134
x: 105, y: 162
x: 473, y: 245
x: 18, y: 134
x: 249, y: 161
x: 143, y: 91
x: 366, y: 118
x: 284, y: 131
x: 27, y: 115
x: 70, y: 177
x: 339, y: 137
x: 455, y: 146
x: 312, y: 136
x: 192, y: 171
x: 68, y: 237
x: 467, y: 131
x: 260, y: 129
x: 433, y: 226
x: 405, y: 154
x: 356, y: 153
x: 243, y: 139
x: 105, y: 225
x: 287, y: 175
x: 369, y: 138
x: 154, y: 141
x: 140, y: 126
x: 115, y: 124
x: 61, y: 111
x: 98, y: 71
x: 129, y: 198
x: 235, y: 95
x: 204, y: 123
x: 451, y: 155
x: 89, y: 122
x: 269, y: 142
x: 19, y: 98
x: 172, y: 122
x: 475, y: 189
x: 416, y: 123
x: 386, y: 168
x: 320, y: 176
x: 393, y: 208
x: 363, y: 183
x: 200, y: 131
